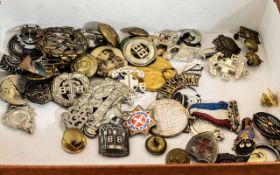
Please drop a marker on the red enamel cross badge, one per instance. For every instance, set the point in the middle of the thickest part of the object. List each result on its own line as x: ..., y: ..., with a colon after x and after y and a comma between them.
x: 140, y: 121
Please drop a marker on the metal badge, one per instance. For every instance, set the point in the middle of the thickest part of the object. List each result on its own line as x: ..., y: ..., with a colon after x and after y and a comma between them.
x: 251, y: 44
x: 106, y: 97
x: 12, y: 89
x: 269, y: 99
x: 24, y: 42
x: 76, y: 117
x: 203, y: 147
x: 227, y: 66
x: 95, y: 38
x: 10, y: 63
x: 168, y: 37
x: 226, y: 45
x: 131, y: 77
x: 258, y: 155
x: 171, y: 117
x: 38, y: 91
x: 247, y: 33
x: 136, y: 31
x: 253, y: 59
x: 108, y: 59
x: 245, y: 147
x: 73, y: 141
x: 176, y: 83
x: 139, y: 51
x: 188, y: 53
x: 156, y: 145
x: 97, y: 106
x: 65, y: 43
x: 199, y: 125
x: 190, y: 37
x: 86, y: 65
x: 167, y: 41
x: 109, y: 34
x: 267, y: 124
x: 140, y: 121
x: 67, y: 88
x: 113, y: 140
x: 187, y: 97
x: 156, y: 73
x: 221, y: 113
x: 228, y: 158
x: 244, y: 144
x: 261, y: 154
x: 21, y: 117
x: 177, y: 156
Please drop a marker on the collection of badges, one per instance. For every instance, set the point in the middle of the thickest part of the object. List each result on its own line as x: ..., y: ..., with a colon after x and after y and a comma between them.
x: 93, y: 74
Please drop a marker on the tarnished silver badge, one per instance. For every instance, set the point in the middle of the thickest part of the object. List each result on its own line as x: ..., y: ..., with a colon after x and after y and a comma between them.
x: 171, y: 117
x: 227, y: 66
x: 131, y: 77
x: 113, y: 140
x: 21, y: 117
x: 199, y: 125
x: 203, y: 147
x: 97, y: 106
x: 67, y: 88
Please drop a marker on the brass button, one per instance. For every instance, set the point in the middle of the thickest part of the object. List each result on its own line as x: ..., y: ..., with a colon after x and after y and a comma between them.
x: 136, y: 31
x: 109, y: 34
x: 156, y: 145
x: 177, y: 156
x: 251, y: 44
x: 86, y: 65
x: 73, y: 140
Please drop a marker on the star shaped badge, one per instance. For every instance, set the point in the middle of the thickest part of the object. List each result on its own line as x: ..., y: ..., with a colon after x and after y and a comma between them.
x: 140, y: 121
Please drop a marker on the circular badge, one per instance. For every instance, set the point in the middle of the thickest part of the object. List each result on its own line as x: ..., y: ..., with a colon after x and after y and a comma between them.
x: 156, y: 145
x: 139, y: 51
x: 108, y: 59
x: 109, y: 34
x: 73, y: 140
x: 86, y: 65
x: 171, y: 117
x: 177, y: 156
x: 38, y: 91
x: 136, y: 31
x: 12, y: 88
x: 67, y: 88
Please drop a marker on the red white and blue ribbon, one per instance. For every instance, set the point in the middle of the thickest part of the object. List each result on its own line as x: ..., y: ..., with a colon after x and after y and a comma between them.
x: 216, y: 112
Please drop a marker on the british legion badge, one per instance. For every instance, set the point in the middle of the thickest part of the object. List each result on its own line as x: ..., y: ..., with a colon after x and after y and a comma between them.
x: 140, y: 121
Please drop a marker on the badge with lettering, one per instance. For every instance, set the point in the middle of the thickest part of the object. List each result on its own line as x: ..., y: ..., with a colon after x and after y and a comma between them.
x: 171, y: 117
x: 189, y: 77
x: 131, y: 77
x: 140, y: 121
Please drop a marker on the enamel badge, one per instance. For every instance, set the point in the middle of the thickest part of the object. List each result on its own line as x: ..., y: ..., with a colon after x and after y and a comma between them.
x: 140, y: 121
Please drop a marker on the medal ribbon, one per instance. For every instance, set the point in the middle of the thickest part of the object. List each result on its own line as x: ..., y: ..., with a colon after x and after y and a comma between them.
x: 215, y: 112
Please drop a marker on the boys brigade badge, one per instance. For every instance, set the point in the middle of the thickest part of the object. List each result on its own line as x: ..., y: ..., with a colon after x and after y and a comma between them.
x: 140, y: 121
